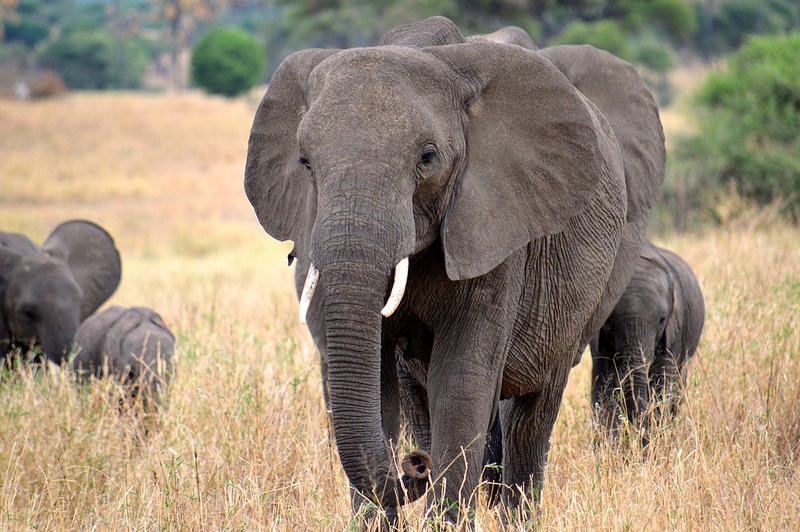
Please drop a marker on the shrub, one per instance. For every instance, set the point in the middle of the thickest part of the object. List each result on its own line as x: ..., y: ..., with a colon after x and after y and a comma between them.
x: 27, y: 31
x: 749, y: 135
x: 95, y: 60
x: 604, y: 34
x: 227, y: 61
x: 46, y: 84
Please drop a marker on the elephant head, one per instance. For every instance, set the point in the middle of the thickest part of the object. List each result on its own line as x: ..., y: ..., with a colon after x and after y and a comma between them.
x: 644, y: 344
x: 46, y: 292
x: 366, y: 157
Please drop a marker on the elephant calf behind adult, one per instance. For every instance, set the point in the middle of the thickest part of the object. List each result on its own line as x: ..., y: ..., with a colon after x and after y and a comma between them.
x: 133, y: 344
x: 45, y: 292
x: 643, y: 347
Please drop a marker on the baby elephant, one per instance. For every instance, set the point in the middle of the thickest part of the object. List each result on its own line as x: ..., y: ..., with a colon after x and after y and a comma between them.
x: 641, y: 351
x: 132, y: 344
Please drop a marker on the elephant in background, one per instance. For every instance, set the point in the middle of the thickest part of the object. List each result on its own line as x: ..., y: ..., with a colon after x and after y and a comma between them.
x: 508, y: 35
x: 46, y: 292
x: 496, y: 194
x: 132, y: 344
x: 640, y: 353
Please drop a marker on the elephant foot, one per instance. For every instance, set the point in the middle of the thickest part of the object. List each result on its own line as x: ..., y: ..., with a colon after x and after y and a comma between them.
x: 416, y: 467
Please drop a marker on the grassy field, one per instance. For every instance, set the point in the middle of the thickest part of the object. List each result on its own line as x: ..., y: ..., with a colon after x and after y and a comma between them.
x: 244, y: 442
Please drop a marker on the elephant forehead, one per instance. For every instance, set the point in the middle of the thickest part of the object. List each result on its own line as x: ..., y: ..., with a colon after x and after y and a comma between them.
x: 370, y: 98
x: 380, y: 67
x: 40, y: 275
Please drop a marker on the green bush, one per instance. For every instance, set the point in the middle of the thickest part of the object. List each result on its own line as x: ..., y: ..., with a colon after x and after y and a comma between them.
x: 27, y: 31
x: 95, y: 60
x: 749, y: 136
x: 605, y: 34
x: 227, y: 61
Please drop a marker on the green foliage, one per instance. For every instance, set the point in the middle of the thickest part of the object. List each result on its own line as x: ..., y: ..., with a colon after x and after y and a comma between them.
x: 654, y: 55
x: 727, y: 28
x: 676, y: 18
x: 605, y: 34
x: 95, y: 60
x: 26, y: 31
x: 227, y: 61
x: 749, y: 135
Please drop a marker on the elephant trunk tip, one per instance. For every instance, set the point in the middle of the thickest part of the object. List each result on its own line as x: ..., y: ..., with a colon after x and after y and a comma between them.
x: 416, y: 467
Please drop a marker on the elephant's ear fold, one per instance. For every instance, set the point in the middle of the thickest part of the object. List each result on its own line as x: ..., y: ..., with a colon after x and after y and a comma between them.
x: 537, y: 150
x: 92, y: 257
x: 274, y: 180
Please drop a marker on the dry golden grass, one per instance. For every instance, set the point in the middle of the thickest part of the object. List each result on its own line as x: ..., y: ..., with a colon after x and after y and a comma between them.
x: 244, y: 442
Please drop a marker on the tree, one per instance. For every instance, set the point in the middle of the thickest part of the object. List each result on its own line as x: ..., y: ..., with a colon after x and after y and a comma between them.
x: 86, y: 60
x: 749, y: 134
x: 8, y: 13
x: 227, y: 61
x: 180, y: 18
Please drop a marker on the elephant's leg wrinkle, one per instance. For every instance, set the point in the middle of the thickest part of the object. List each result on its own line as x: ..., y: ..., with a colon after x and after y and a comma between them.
x: 527, y: 424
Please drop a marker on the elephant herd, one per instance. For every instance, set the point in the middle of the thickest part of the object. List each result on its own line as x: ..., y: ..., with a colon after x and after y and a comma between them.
x: 468, y: 214
x: 48, y: 299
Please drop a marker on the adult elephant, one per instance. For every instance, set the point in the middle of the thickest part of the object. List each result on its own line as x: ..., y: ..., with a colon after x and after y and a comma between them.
x: 484, y: 172
x: 642, y: 349
x: 46, y: 292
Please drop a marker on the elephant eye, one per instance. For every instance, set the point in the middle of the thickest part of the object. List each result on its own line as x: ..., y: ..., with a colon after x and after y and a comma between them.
x: 29, y: 313
x: 428, y: 156
x: 304, y: 161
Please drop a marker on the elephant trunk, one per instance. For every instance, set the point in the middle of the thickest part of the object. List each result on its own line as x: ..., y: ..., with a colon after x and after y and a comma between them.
x: 356, y: 262
x: 353, y: 301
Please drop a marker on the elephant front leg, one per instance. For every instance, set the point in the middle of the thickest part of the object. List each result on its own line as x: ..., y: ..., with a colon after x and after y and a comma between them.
x: 464, y: 380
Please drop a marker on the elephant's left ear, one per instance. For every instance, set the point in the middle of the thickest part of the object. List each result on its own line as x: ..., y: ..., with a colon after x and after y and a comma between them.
x: 91, y: 255
x: 537, y: 150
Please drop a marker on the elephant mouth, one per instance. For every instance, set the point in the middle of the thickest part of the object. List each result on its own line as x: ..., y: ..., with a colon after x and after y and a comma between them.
x: 393, y: 301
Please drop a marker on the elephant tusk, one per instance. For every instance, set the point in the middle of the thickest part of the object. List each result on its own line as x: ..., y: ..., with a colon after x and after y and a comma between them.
x: 308, y: 291
x: 398, y: 289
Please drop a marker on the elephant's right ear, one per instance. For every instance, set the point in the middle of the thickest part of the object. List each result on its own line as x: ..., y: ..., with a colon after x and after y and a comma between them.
x: 274, y: 181
x: 92, y: 257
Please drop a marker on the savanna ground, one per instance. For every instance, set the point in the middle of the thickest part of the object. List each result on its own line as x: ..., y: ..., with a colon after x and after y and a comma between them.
x: 244, y: 442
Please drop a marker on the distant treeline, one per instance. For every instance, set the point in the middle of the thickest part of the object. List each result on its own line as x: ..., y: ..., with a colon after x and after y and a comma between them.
x: 108, y: 44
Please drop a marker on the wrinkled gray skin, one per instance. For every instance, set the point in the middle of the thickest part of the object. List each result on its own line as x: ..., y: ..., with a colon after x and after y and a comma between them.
x: 508, y: 35
x: 45, y: 292
x: 643, y: 347
x: 495, y: 168
x: 133, y: 344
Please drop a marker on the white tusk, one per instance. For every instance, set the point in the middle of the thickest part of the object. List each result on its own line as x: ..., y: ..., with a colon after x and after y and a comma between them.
x: 398, y: 289
x: 308, y: 291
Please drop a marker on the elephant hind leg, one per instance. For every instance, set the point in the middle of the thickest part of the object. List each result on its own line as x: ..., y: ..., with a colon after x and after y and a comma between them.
x: 527, y: 423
